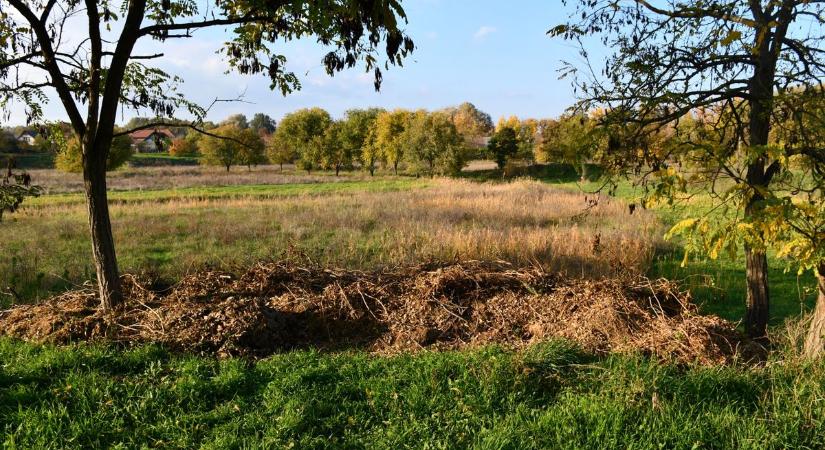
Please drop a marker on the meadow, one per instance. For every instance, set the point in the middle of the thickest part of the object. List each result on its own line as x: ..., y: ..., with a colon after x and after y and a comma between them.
x: 170, y: 221
x: 351, y: 222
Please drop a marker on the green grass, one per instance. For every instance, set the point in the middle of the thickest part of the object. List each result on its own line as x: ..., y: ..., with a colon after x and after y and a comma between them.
x: 549, y: 396
x: 29, y: 160
x: 228, y: 192
x: 161, y: 159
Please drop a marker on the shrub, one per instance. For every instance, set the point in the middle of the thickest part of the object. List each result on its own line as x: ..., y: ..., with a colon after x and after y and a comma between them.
x: 70, y: 158
x: 231, y: 146
x: 184, y: 147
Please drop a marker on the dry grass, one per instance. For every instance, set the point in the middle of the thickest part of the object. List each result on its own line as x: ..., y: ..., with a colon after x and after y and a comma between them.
x: 171, y: 177
x: 523, y: 222
x: 287, y: 305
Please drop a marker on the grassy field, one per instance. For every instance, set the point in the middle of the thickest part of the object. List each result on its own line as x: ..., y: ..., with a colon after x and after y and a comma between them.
x: 173, y: 220
x: 550, y: 396
x: 357, y: 224
x: 177, y: 177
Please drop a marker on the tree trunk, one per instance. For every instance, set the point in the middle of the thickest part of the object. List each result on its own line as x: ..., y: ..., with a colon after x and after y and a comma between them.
x: 103, y: 243
x: 337, y: 169
x: 815, y: 341
x: 758, y: 178
x: 282, y: 167
x: 584, y: 172
x: 372, y: 171
x: 395, y: 168
x: 758, y: 303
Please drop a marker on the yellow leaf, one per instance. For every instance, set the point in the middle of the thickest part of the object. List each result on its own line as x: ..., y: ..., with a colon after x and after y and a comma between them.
x: 730, y: 38
x: 680, y: 226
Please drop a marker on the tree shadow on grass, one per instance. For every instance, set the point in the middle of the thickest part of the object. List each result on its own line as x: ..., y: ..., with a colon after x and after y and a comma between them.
x: 148, y: 394
x: 718, y: 286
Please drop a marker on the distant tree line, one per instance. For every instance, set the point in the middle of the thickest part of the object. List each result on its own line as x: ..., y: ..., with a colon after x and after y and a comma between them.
x: 419, y: 142
x: 422, y: 143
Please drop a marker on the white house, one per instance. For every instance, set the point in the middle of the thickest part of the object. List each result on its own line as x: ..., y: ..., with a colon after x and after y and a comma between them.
x: 27, y: 137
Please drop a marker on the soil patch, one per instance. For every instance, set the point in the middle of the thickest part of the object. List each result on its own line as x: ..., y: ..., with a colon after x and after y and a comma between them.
x: 281, y: 306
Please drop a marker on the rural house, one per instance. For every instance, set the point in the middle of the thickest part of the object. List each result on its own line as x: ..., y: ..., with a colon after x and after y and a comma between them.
x: 151, y: 140
x: 27, y: 137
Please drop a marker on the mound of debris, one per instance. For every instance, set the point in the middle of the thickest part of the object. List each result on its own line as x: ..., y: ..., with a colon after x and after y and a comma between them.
x: 281, y: 306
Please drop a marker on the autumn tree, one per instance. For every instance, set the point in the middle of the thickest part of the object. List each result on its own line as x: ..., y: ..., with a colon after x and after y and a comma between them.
x: 184, y: 146
x: 335, y: 152
x: 432, y: 144
x: 251, y: 147
x: 670, y: 59
x: 371, y: 153
x: 387, y: 138
x: 470, y: 122
x: 262, y: 123
x: 573, y: 139
x: 503, y: 146
x: 229, y: 145
x: 280, y: 151
x: 303, y: 131
x: 526, y: 131
x: 236, y: 120
x: 218, y: 149
x: 355, y: 135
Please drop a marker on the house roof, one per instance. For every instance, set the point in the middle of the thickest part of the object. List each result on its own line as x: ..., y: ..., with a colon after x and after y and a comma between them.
x: 142, y: 135
x: 27, y: 133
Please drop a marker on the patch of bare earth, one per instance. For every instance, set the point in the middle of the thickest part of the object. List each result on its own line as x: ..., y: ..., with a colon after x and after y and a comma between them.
x: 277, y: 307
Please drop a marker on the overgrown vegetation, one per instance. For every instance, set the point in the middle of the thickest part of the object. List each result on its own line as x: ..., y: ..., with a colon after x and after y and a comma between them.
x: 353, y: 224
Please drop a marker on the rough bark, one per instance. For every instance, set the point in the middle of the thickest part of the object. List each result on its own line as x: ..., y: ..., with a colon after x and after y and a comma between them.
x: 758, y: 299
x: 757, y: 177
x: 815, y: 341
x: 100, y: 227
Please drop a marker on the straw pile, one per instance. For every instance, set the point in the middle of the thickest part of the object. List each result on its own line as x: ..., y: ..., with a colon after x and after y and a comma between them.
x: 280, y: 306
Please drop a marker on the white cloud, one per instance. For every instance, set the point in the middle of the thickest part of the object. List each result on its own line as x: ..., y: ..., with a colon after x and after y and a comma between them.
x: 484, y: 32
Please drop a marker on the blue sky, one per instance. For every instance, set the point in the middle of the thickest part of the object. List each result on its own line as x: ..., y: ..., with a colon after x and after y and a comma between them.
x: 494, y: 54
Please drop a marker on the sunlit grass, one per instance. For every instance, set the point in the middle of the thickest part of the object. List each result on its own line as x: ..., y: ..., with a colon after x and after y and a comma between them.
x: 351, y: 224
x: 549, y: 396
x: 717, y: 285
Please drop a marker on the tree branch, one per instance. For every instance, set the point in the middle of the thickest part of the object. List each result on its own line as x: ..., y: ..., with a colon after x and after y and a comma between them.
x: 59, y: 83
x: 697, y: 13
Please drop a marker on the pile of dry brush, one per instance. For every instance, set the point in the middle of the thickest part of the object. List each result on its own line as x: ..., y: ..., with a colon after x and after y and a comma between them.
x: 280, y: 306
